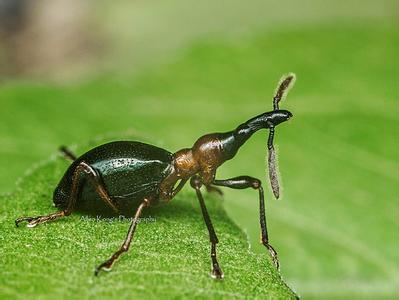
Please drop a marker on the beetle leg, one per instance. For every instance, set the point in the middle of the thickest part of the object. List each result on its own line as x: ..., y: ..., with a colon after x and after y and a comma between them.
x: 216, y: 271
x: 33, y: 221
x: 93, y: 178
x: 243, y: 182
x: 179, y: 187
x: 107, y: 265
x: 68, y: 154
x: 214, y: 189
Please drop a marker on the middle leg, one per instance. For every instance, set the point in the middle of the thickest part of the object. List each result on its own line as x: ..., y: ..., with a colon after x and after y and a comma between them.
x: 107, y: 265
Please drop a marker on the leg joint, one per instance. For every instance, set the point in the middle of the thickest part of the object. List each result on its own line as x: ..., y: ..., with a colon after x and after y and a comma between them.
x: 87, y: 168
x: 196, y: 182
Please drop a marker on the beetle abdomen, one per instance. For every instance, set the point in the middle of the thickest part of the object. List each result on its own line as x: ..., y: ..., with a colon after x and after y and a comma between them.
x: 130, y: 171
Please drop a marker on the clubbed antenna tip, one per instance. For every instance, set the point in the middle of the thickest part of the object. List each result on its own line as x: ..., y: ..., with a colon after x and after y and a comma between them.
x: 285, y: 84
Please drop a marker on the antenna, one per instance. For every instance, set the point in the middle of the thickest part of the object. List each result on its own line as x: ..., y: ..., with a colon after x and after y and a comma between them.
x: 286, y: 82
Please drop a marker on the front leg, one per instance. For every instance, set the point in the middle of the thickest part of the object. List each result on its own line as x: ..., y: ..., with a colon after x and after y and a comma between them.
x: 216, y: 271
x: 167, y: 188
x: 244, y: 182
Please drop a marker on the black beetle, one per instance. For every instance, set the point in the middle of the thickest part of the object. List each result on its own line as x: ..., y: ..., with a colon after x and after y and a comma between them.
x: 128, y: 176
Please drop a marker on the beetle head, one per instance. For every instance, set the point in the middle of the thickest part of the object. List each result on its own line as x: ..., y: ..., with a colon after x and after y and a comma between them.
x: 276, y: 117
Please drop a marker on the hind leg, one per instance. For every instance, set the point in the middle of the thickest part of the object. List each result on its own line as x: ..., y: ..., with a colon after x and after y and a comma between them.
x: 90, y: 173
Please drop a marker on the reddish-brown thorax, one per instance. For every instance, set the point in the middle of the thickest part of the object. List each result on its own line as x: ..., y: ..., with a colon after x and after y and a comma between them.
x: 203, y: 158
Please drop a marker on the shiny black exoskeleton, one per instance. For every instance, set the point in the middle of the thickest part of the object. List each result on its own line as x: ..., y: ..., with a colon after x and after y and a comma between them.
x: 129, y: 171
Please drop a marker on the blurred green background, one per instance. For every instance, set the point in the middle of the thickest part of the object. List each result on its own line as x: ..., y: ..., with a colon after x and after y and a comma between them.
x: 173, y: 71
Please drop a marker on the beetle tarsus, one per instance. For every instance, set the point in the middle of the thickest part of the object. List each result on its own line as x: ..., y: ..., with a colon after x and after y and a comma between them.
x: 34, y: 221
x: 217, y: 272
x: 273, y: 254
x: 105, y: 266
x: 22, y: 219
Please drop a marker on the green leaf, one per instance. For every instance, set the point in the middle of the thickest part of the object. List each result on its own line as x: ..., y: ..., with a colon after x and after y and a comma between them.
x: 169, y: 257
x: 336, y: 227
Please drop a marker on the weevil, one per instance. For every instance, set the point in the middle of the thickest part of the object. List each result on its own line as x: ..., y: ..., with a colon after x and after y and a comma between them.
x: 128, y: 176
